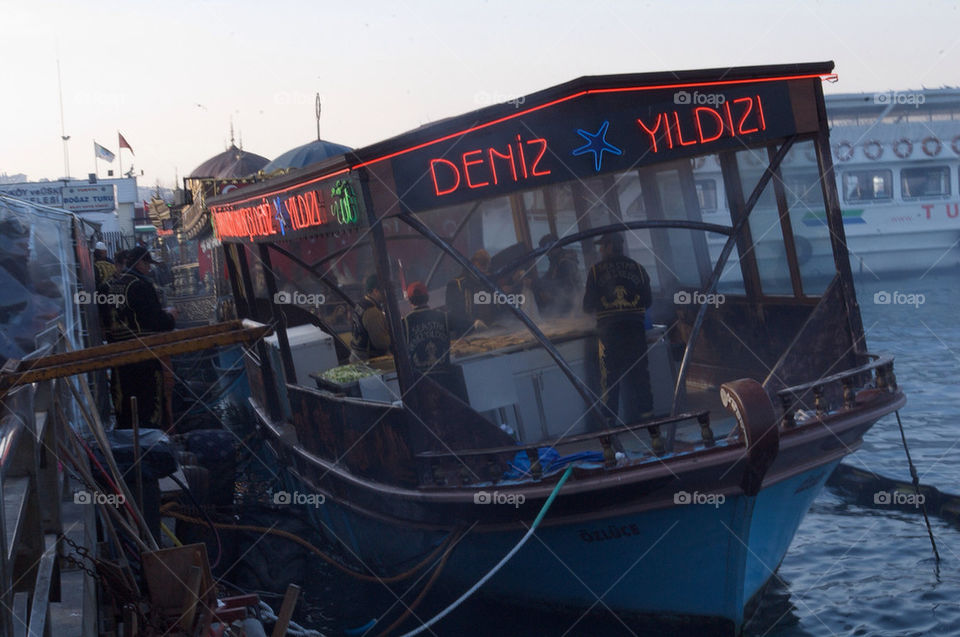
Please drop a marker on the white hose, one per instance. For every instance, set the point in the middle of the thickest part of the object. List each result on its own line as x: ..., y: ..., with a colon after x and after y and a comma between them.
x: 293, y: 628
x: 506, y: 558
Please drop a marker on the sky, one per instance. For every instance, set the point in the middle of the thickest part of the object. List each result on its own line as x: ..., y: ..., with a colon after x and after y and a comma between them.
x: 172, y: 75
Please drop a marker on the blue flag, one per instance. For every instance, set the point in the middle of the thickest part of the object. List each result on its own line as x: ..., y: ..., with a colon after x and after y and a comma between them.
x: 102, y: 153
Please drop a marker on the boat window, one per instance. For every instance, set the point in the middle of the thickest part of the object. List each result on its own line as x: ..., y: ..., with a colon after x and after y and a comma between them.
x: 731, y: 278
x: 864, y: 186
x: 299, y: 286
x: 765, y: 230
x: 928, y: 181
x: 808, y: 219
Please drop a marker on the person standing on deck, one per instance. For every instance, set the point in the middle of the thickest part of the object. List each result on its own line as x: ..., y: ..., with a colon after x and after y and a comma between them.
x: 427, y: 336
x: 137, y: 314
x: 370, y: 332
x: 618, y: 293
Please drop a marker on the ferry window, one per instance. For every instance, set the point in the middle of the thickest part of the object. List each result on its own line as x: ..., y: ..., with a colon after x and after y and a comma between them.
x: 706, y: 174
x: 707, y: 194
x: 931, y: 181
x: 867, y: 185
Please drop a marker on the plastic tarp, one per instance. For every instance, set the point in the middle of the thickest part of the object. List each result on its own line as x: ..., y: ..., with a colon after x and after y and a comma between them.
x: 38, y: 273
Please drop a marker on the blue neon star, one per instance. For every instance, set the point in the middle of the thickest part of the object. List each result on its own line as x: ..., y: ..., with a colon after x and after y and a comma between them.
x: 596, y: 144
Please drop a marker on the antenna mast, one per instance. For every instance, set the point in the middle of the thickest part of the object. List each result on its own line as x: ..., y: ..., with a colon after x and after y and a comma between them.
x: 63, y: 135
x: 317, y: 102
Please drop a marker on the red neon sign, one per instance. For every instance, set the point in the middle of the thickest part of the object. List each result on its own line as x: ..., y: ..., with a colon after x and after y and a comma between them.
x: 741, y: 116
x: 482, y: 167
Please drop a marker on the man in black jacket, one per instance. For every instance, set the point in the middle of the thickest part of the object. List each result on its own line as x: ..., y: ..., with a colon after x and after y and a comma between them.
x: 137, y: 313
x: 427, y: 335
x: 618, y: 293
x: 370, y: 333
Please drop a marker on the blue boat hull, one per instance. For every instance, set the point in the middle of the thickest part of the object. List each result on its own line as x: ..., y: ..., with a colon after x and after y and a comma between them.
x: 692, y: 561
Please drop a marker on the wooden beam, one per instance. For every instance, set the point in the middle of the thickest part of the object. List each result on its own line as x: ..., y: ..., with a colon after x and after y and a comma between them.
x: 124, y: 353
x: 286, y: 610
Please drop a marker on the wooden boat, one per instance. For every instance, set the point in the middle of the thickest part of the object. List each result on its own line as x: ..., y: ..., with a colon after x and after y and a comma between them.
x: 759, y: 390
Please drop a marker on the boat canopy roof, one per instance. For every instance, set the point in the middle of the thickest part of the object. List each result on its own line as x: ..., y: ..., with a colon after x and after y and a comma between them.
x: 580, y: 129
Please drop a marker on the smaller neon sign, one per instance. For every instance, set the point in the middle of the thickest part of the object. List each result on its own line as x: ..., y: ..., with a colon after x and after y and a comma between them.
x: 345, y: 208
x: 297, y: 212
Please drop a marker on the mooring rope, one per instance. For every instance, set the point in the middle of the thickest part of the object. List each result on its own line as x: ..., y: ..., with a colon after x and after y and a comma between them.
x: 916, y: 487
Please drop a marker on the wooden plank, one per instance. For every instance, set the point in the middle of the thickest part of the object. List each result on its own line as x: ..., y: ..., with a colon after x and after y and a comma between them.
x: 193, y: 584
x: 286, y: 610
x: 165, y: 572
x: 122, y: 346
x: 103, y: 357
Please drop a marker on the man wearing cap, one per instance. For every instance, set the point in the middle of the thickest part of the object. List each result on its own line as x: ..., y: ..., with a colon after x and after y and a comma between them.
x: 618, y: 293
x: 103, y: 267
x: 138, y: 313
x: 370, y: 332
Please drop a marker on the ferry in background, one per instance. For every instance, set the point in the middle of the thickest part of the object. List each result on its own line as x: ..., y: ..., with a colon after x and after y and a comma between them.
x: 896, y: 158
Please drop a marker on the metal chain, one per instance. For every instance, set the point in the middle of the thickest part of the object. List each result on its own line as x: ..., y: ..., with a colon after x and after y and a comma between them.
x: 84, y: 554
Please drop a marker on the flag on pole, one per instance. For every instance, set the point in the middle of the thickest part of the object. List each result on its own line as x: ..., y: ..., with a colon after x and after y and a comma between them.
x: 124, y: 143
x: 102, y: 153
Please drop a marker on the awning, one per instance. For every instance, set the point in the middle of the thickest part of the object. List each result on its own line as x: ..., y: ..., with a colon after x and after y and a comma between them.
x: 144, y: 229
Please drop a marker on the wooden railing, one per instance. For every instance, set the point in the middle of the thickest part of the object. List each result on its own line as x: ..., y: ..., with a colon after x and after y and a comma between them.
x: 471, y: 465
x: 880, y: 370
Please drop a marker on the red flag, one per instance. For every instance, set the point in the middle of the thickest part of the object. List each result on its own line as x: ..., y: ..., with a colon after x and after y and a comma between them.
x: 124, y: 144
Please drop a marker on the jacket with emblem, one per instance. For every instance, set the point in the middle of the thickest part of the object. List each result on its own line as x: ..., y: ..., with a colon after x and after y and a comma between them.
x: 618, y: 289
x: 428, y: 339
